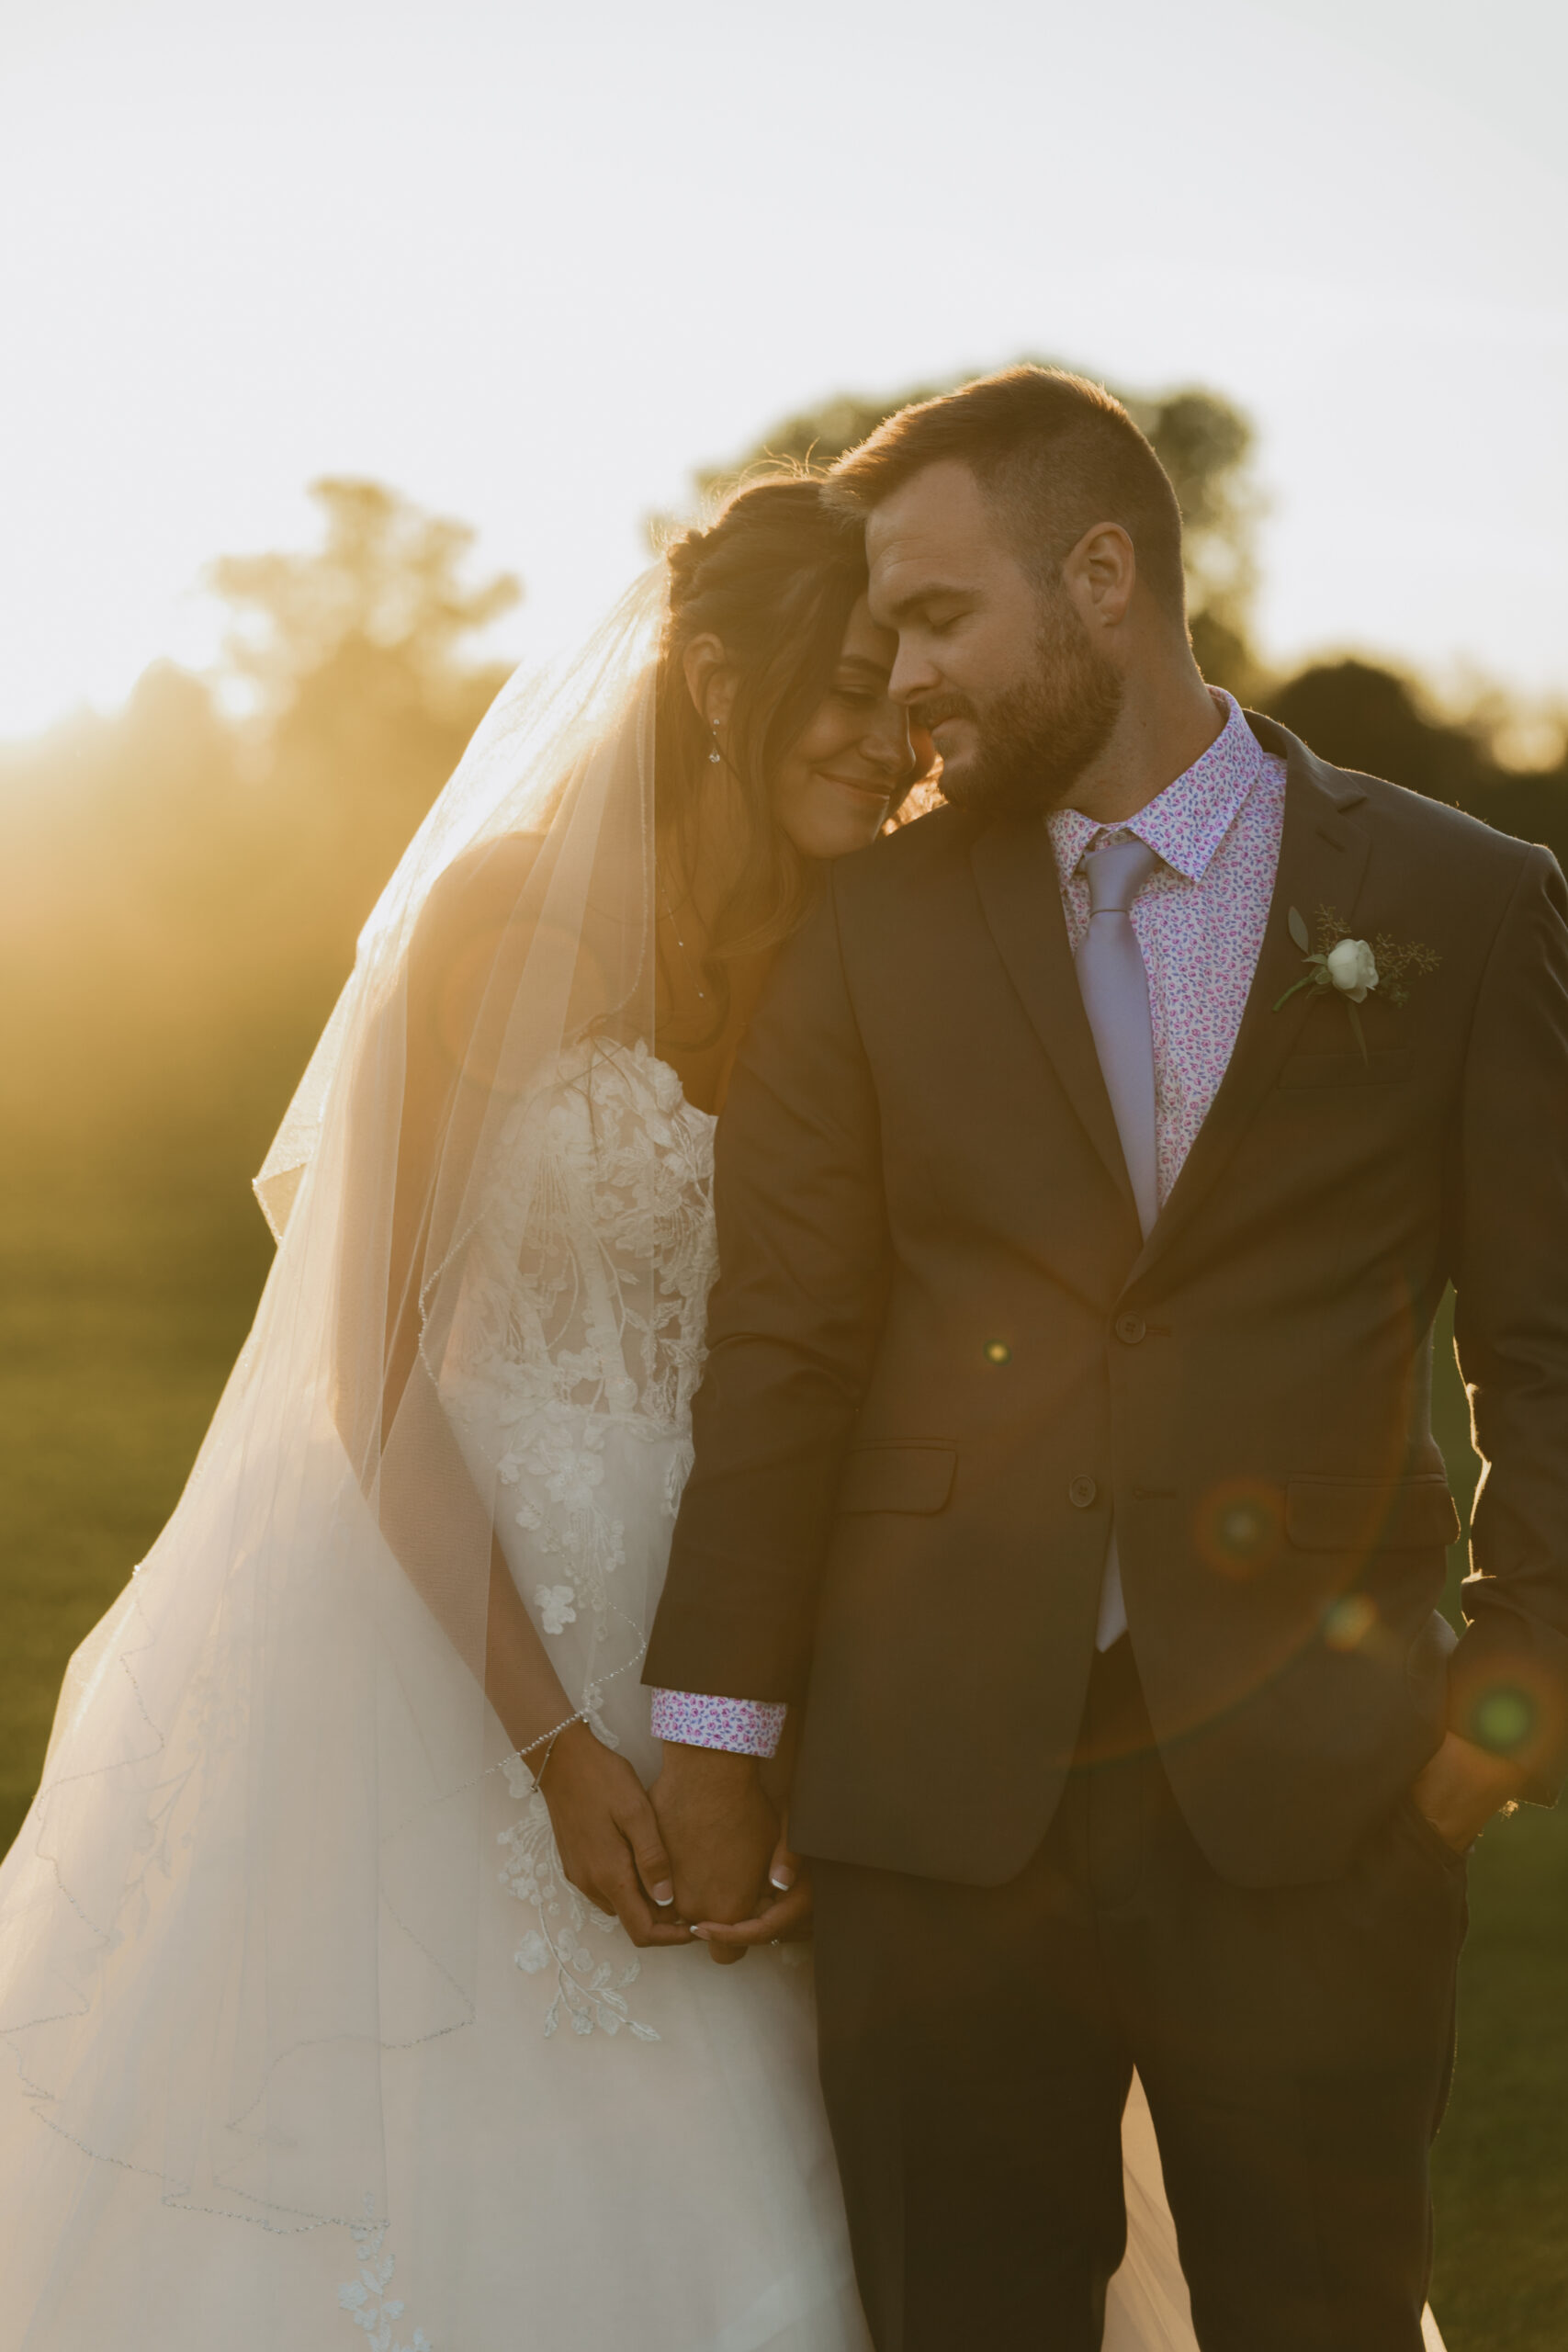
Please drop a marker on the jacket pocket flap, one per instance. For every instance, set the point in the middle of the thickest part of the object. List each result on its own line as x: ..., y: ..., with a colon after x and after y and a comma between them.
x: 1370, y: 1514
x: 916, y: 1475
x: 1348, y: 1069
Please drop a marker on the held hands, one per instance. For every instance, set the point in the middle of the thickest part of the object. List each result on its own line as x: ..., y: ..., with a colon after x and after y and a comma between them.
x: 736, y: 1880
x: 609, y: 1841
x: 1461, y: 1787
x: 782, y: 1912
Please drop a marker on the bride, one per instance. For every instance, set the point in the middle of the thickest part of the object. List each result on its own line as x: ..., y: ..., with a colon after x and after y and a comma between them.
x: 338, y: 1969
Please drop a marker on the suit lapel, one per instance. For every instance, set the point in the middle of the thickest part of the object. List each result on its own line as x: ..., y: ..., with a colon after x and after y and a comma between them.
x: 1323, y: 855
x: 1021, y: 894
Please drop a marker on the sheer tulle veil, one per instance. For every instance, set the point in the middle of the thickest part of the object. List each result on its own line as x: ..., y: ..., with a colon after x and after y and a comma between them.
x: 255, y: 1863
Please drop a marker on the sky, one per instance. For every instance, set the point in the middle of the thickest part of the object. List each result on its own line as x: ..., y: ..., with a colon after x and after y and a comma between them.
x: 530, y: 264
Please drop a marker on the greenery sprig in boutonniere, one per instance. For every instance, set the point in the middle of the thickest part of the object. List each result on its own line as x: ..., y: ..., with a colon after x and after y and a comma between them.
x: 1351, y: 968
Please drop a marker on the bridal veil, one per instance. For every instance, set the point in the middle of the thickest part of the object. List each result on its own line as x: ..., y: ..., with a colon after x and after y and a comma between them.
x: 254, y: 1861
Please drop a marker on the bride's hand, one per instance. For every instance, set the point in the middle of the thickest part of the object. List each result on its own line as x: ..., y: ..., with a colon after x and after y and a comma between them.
x: 609, y: 1841
x: 782, y: 1919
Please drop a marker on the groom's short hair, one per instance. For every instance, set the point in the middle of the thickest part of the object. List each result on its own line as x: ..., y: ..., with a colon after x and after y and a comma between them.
x: 1055, y: 453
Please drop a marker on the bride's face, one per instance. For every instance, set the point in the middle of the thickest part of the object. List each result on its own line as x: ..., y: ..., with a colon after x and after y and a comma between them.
x: 834, y: 787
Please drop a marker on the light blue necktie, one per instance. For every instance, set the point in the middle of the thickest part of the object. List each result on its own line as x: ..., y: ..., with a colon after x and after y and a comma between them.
x: 1114, y: 984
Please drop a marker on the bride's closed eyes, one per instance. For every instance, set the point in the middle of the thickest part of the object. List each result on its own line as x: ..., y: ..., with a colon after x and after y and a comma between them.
x: 853, y: 761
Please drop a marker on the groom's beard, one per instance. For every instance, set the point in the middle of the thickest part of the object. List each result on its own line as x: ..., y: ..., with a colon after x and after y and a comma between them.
x: 1033, y: 742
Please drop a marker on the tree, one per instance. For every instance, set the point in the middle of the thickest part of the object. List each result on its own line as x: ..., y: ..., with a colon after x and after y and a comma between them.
x: 383, y: 589
x: 355, y: 653
x: 1360, y: 716
x: 183, y: 896
x: 1202, y: 440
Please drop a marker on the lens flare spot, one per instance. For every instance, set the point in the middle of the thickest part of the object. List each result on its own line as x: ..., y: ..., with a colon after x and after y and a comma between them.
x: 1504, y: 1720
x: 1240, y: 1527
x: 1350, y: 1622
x: 998, y: 1352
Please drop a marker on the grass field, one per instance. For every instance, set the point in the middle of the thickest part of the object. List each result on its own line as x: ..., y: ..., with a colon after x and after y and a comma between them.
x: 119, y: 1318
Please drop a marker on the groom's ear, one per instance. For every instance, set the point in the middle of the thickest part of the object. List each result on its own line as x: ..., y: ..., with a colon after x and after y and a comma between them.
x: 1099, y: 574
x: 710, y: 681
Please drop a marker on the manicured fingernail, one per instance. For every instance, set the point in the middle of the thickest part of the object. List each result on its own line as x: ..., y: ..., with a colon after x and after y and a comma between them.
x: 664, y: 1895
x: 701, y: 1934
x: 782, y: 1878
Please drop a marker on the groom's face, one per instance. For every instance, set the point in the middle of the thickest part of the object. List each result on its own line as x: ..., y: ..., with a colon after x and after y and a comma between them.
x: 993, y: 661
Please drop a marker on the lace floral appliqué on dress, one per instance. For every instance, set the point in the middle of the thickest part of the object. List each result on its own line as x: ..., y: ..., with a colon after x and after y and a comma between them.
x: 571, y: 1373
x: 592, y: 1991
x: 366, y: 2298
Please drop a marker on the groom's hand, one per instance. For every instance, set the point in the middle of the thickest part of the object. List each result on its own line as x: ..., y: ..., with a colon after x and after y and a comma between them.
x: 721, y: 1833
x: 783, y: 1917
x: 1461, y: 1787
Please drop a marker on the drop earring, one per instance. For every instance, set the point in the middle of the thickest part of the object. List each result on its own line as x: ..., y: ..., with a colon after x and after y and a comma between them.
x: 716, y: 756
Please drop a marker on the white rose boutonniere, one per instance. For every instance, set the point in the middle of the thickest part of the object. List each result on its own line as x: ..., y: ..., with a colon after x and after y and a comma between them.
x: 1351, y: 968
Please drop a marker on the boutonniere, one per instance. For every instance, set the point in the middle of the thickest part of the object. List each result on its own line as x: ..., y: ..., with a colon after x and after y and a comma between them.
x: 1351, y: 968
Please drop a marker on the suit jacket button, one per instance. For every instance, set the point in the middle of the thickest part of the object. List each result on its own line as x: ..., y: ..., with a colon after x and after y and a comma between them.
x: 1082, y: 1493
x: 1131, y: 1328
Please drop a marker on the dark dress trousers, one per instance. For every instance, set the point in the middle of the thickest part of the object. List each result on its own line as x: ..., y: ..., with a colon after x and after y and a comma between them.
x: 941, y: 1357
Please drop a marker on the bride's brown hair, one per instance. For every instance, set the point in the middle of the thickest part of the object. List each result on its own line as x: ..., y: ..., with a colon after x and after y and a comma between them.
x: 775, y: 578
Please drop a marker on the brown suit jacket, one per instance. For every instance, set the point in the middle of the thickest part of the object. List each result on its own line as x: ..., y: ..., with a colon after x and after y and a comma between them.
x: 942, y: 1356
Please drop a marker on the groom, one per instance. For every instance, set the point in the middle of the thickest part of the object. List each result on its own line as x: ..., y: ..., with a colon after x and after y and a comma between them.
x: 1086, y: 1189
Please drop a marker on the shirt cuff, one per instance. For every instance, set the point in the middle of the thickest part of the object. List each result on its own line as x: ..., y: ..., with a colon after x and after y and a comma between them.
x: 744, y: 1726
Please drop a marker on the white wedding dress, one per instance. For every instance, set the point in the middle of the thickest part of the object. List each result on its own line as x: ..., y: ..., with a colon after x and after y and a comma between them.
x: 621, y: 2151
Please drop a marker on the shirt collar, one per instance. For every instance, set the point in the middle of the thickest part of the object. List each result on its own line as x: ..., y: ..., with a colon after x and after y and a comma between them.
x: 1185, y: 825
